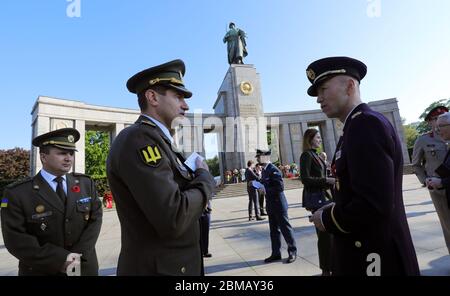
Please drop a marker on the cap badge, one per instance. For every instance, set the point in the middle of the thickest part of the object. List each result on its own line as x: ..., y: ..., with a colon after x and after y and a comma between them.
x: 311, y: 74
x: 70, y: 138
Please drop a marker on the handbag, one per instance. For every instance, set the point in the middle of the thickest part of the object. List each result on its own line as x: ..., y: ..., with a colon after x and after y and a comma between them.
x: 313, y: 201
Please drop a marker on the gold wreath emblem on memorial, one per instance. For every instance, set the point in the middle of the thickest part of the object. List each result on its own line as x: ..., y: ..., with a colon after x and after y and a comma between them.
x: 246, y: 87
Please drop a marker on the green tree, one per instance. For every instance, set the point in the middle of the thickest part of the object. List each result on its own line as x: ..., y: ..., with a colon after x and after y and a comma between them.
x: 411, y: 134
x: 213, y: 165
x: 96, y: 152
x: 423, y: 127
x: 14, y: 164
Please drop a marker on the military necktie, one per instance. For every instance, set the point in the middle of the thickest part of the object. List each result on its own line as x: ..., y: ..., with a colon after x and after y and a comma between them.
x: 60, y: 189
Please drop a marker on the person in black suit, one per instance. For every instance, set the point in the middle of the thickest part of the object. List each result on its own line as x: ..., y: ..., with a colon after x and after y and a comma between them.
x: 313, y: 176
x: 252, y: 190
x: 368, y: 220
x: 51, y: 222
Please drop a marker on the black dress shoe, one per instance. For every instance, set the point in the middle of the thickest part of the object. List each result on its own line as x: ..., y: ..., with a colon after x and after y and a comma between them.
x: 272, y: 258
x: 263, y: 214
x: 259, y: 218
x: 207, y: 255
x: 291, y: 258
x: 251, y: 218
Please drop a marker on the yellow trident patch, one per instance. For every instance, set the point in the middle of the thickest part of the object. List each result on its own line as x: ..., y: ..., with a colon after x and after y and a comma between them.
x: 151, y: 155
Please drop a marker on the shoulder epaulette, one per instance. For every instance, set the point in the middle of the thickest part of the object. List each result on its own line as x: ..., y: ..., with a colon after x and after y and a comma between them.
x: 19, y: 182
x: 80, y: 175
x: 148, y: 122
x: 356, y: 114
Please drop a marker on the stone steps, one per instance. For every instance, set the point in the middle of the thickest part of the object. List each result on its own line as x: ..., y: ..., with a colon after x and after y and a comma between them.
x: 239, y: 189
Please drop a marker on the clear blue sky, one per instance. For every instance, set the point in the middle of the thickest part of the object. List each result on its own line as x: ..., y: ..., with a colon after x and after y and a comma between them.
x: 89, y: 59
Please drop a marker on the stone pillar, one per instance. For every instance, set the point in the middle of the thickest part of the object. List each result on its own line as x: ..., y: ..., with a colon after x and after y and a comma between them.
x: 79, y: 165
x: 329, y: 139
x: 40, y: 126
x: 240, y: 101
x: 286, y: 144
x: 118, y: 127
x: 304, y: 127
x: 398, y: 125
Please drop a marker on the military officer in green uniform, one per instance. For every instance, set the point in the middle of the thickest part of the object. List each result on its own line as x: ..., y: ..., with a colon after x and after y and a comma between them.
x: 159, y: 199
x: 51, y: 222
x: 428, y: 154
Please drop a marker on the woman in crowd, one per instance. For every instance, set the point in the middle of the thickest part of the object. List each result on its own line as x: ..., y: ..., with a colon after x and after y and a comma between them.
x: 314, y: 178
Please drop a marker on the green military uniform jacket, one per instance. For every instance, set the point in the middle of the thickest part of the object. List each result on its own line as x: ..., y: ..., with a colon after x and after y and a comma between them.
x: 40, y: 231
x: 158, y: 202
x: 428, y: 154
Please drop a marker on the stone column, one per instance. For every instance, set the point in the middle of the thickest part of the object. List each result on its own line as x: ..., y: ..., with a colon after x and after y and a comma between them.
x: 79, y: 165
x: 40, y: 126
x: 304, y: 127
x: 398, y: 125
x: 329, y: 141
x: 118, y: 127
x: 286, y: 144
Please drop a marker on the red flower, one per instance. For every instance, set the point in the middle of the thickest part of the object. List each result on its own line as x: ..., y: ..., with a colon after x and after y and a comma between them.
x: 75, y: 188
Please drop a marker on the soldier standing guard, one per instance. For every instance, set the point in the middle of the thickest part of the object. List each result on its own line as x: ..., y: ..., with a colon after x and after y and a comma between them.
x: 428, y: 154
x: 53, y: 220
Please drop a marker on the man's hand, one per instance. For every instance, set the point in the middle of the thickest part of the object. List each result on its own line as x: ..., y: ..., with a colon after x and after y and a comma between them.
x: 434, y: 182
x: 331, y: 181
x: 72, y: 266
x: 316, y: 218
x: 201, y: 164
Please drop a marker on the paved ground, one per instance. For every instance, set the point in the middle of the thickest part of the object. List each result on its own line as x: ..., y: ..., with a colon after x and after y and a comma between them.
x: 239, y: 246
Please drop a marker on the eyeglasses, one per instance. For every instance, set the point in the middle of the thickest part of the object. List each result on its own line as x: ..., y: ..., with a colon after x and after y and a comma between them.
x: 438, y: 128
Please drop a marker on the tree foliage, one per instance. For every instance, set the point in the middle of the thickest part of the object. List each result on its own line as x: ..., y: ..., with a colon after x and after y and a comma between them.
x: 14, y: 164
x: 423, y: 127
x: 96, y: 151
x: 213, y: 165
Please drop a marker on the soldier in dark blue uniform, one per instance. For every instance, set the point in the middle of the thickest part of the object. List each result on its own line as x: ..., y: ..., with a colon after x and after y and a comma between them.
x: 277, y: 209
x: 368, y: 220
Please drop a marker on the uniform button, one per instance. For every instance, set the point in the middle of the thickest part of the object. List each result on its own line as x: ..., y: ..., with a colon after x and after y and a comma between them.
x: 358, y: 244
x: 67, y: 220
x: 68, y: 232
x: 183, y: 269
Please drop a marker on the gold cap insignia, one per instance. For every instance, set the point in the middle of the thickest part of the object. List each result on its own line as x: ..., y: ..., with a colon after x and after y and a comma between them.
x: 311, y: 74
x: 40, y: 209
x: 70, y: 138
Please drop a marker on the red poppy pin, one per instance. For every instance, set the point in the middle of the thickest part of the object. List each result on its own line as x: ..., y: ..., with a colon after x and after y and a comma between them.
x: 75, y: 188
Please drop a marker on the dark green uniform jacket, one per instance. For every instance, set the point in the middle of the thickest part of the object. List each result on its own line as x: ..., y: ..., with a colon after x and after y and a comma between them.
x: 158, y: 201
x: 40, y: 231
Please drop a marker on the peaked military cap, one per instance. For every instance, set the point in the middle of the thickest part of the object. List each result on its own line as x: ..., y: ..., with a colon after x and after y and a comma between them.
x: 324, y: 69
x: 436, y: 111
x: 64, y: 138
x: 169, y: 74
x: 261, y: 152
